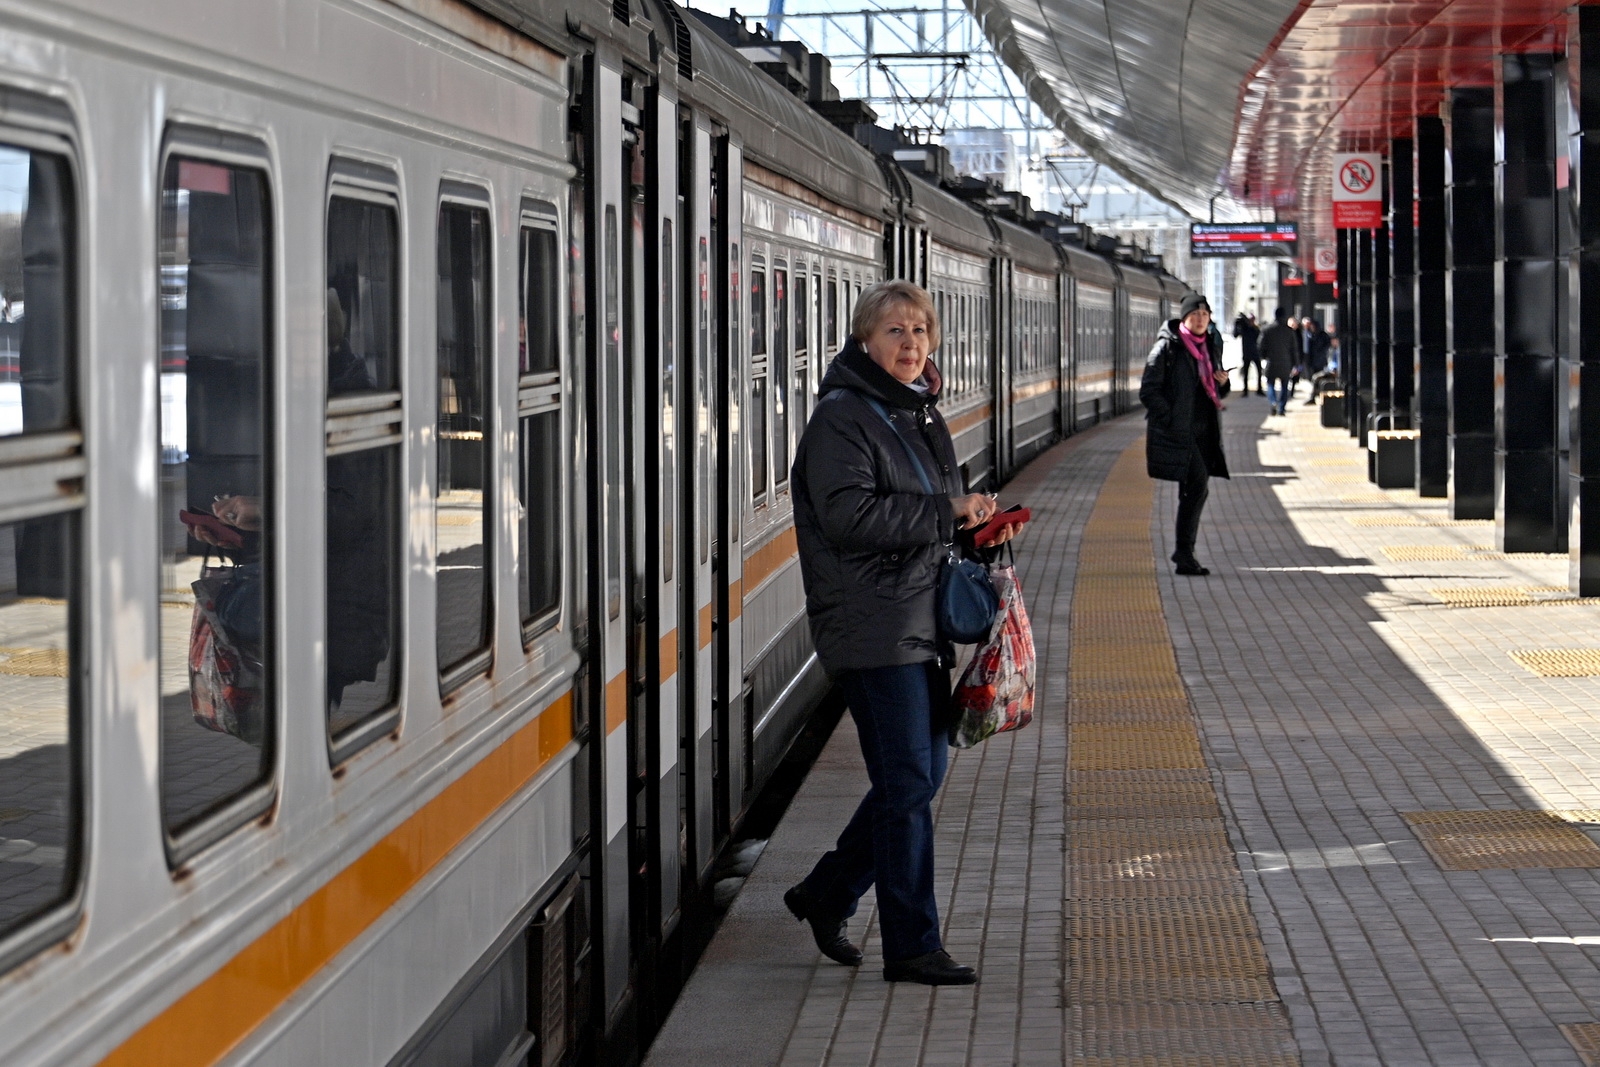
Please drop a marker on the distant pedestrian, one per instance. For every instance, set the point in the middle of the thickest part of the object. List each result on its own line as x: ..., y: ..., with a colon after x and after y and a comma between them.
x: 1318, y: 348
x: 1280, y: 351
x: 1249, y: 335
x: 1182, y: 390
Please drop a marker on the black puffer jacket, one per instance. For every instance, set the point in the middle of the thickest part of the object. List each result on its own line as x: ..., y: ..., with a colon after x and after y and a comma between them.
x: 1182, y: 417
x: 871, y: 537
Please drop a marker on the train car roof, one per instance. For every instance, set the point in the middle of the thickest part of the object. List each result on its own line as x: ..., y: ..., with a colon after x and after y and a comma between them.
x: 1026, y: 248
x: 1087, y: 266
x: 950, y: 219
x: 780, y: 132
x: 1141, y: 280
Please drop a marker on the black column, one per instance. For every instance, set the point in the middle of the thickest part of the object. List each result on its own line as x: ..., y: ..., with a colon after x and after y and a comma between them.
x: 1403, y: 288
x: 1528, y: 478
x: 1583, y: 70
x: 1364, y: 339
x: 1347, y: 333
x: 1474, y: 314
x: 1382, y: 308
x: 1431, y: 405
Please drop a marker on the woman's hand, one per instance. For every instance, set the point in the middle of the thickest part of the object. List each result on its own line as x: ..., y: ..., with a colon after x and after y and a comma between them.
x: 972, y: 510
x: 238, y: 510
x: 1006, y: 533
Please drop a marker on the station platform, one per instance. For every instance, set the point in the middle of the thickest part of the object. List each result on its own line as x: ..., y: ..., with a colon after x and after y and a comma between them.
x: 1333, y: 804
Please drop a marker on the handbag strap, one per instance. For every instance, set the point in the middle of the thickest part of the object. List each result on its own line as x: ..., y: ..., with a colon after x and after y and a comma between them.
x: 916, y: 461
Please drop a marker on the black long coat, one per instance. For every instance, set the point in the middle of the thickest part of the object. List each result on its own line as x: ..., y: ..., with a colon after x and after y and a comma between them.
x: 1182, y: 417
x: 871, y: 537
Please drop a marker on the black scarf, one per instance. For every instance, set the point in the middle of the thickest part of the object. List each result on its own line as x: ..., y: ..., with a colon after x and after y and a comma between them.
x: 855, y: 359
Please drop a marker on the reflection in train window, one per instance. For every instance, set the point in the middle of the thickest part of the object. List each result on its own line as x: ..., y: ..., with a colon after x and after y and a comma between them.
x: 217, y: 656
x: 758, y: 436
x: 35, y: 287
x: 41, y: 786
x: 463, y: 460
x: 702, y: 414
x: 538, y: 427
x: 779, y: 373
x: 758, y: 311
x: 363, y: 464
x: 669, y: 423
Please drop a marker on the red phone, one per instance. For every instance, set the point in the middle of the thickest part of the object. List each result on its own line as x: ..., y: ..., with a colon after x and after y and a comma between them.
x: 227, y: 536
x: 1015, y: 515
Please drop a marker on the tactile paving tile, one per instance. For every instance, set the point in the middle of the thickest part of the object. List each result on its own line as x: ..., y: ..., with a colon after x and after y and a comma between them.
x: 1165, y: 1034
x: 1560, y: 662
x: 1426, y: 553
x: 1510, y: 596
x: 1345, y: 479
x: 1364, y: 498
x: 35, y: 662
x: 1585, y: 1040
x: 1504, y: 840
x: 1387, y: 520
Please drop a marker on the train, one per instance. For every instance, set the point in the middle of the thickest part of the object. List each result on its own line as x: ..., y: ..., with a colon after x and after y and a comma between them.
x: 399, y: 606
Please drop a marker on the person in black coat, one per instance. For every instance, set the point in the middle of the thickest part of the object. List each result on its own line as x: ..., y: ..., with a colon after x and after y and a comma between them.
x: 1280, y: 351
x: 1249, y: 335
x: 878, y: 495
x: 1182, y: 392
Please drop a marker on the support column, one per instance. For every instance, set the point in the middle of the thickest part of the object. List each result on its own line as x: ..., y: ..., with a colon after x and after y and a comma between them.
x: 1474, y: 314
x: 1364, y: 339
x: 1402, y: 289
x: 1430, y: 405
x: 1583, y: 146
x: 1347, y: 333
x: 1528, y: 475
x: 1382, y: 311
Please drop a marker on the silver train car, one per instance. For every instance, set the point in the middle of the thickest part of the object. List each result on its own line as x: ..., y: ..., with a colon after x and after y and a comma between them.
x: 399, y: 608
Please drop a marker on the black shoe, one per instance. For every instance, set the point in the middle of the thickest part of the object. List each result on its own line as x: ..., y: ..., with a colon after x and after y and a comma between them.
x: 1192, y: 568
x: 935, y: 968
x: 827, y: 933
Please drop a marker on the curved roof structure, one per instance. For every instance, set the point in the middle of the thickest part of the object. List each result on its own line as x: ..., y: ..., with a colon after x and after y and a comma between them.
x: 1249, y: 99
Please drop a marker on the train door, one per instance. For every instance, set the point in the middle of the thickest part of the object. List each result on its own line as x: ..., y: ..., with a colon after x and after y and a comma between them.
x: 730, y: 711
x: 698, y: 461
x: 657, y: 809
x: 1066, y: 350
x: 611, y: 449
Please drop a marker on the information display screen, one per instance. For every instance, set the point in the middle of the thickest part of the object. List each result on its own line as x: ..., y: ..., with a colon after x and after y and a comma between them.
x: 1273, y: 240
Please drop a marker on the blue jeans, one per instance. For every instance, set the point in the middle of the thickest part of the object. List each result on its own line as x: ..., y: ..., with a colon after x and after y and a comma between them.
x: 889, y: 839
x: 1278, y: 394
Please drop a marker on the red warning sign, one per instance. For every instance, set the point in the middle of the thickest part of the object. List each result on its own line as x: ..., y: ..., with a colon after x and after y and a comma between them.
x: 1357, y: 191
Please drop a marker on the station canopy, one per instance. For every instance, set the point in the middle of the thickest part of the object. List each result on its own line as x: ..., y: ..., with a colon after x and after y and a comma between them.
x: 1250, y: 99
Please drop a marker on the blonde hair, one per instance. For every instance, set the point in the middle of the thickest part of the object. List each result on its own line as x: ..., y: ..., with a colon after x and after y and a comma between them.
x: 877, y: 301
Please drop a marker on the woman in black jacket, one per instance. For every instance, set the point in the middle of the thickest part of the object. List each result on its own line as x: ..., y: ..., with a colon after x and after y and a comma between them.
x: 877, y: 496
x: 1182, y: 392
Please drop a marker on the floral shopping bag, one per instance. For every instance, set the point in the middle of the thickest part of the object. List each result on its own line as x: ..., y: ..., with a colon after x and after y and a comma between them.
x: 995, y: 693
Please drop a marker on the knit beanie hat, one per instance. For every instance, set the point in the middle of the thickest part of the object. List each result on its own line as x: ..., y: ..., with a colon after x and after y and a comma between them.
x: 1192, y: 302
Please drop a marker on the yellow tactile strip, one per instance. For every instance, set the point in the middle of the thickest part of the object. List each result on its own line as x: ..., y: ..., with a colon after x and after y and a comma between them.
x: 1506, y: 840
x: 34, y: 662
x: 1165, y: 965
x: 1585, y: 1040
x: 1560, y: 662
x: 1488, y: 596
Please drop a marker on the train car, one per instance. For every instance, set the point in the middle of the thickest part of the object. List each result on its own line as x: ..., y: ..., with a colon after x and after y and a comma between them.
x: 1031, y: 358
x: 959, y: 276
x: 1140, y: 315
x: 1092, y: 282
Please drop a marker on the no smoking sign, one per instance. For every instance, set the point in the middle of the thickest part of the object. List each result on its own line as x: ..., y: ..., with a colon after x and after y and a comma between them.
x: 1357, y: 191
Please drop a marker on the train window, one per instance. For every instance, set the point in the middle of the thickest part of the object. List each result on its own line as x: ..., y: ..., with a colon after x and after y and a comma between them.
x: 217, y: 608
x: 820, y: 349
x: 462, y: 482
x: 364, y: 493
x: 802, y: 351
x: 612, y: 380
x: 702, y: 403
x: 779, y: 375
x: 831, y: 313
x: 539, y: 395
x: 41, y: 781
x: 756, y: 428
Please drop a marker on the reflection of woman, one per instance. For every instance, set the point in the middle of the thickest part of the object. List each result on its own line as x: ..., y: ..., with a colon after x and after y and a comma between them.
x: 871, y: 539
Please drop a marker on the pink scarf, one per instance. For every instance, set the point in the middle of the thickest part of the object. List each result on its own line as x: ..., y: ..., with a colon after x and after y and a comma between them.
x: 1197, y: 349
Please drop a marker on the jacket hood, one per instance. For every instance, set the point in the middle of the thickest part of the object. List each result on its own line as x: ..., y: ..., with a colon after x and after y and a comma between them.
x: 853, y: 369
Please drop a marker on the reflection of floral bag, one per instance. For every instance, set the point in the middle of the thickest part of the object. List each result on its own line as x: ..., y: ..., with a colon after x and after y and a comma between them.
x: 995, y: 693
x: 225, y: 670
